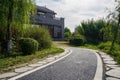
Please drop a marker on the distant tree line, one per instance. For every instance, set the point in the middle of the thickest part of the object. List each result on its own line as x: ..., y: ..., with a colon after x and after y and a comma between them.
x: 101, y: 30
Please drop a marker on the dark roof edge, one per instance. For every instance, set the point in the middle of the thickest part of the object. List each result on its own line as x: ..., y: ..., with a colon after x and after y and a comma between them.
x: 44, y: 9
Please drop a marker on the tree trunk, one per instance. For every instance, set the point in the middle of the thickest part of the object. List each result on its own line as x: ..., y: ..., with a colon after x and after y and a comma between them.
x: 113, y: 42
x: 9, y: 33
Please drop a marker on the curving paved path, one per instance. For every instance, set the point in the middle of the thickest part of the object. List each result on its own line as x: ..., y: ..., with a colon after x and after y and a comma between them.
x: 79, y: 65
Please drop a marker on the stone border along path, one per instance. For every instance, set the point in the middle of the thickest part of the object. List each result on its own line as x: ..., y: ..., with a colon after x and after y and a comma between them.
x: 112, y: 70
x: 18, y: 71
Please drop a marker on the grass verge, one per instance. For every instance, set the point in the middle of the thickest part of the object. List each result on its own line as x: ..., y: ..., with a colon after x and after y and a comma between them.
x: 6, y: 64
x: 115, y: 53
x: 90, y: 46
x: 105, y: 47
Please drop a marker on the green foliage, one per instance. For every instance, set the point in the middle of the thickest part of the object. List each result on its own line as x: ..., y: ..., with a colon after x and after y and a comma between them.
x: 114, y: 17
x: 3, y: 39
x: 115, y: 53
x: 77, y: 40
x: 104, y: 46
x: 67, y: 30
x: 90, y: 46
x: 79, y: 29
x: 41, y: 35
x: 28, y: 45
x: 67, y: 34
x: 19, y: 10
x: 12, y: 61
x: 17, y: 33
x: 91, y: 30
x: 13, y: 13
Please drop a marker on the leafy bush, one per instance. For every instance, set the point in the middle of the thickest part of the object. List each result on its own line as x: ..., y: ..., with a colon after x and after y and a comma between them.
x: 77, y: 40
x: 92, y: 30
x: 104, y: 46
x: 67, y: 34
x: 115, y: 53
x: 41, y: 35
x: 28, y: 45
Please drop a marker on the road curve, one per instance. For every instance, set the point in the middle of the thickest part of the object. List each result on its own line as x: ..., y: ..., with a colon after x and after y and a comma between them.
x: 79, y: 65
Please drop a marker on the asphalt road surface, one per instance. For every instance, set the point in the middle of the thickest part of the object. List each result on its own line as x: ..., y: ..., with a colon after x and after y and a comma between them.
x: 79, y: 65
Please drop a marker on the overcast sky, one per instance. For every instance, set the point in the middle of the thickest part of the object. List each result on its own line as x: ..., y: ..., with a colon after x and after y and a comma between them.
x: 75, y: 11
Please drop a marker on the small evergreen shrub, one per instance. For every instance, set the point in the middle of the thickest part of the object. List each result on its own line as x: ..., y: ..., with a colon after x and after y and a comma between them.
x: 77, y: 40
x: 28, y: 45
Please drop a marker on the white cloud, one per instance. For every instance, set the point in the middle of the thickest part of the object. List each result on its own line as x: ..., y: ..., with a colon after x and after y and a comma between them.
x: 75, y: 11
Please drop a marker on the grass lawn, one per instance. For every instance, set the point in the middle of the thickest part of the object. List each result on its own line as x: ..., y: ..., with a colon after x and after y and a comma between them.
x: 61, y: 43
x: 90, y: 46
x: 7, y: 64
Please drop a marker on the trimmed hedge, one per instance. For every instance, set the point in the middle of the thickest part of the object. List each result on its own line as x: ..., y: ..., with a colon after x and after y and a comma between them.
x: 77, y: 40
x: 28, y: 45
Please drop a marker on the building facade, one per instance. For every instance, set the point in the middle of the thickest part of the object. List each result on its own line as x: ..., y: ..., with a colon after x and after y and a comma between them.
x: 46, y: 18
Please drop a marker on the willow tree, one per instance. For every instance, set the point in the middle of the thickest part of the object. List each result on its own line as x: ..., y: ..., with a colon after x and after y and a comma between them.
x: 14, y: 13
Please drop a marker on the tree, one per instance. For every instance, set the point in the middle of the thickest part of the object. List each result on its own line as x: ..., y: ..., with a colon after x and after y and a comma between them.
x: 115, y: 18
x: 14, y: 12
x: 91, y: 30
x: 67, y: 34
x: 79, y: 29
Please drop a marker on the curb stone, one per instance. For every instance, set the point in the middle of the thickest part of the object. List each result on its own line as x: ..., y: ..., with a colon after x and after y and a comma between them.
x: 99, y: 71
x: 112, y: 70
x: 99, y: 75
x: 40, y: 67
x: 21, y: 70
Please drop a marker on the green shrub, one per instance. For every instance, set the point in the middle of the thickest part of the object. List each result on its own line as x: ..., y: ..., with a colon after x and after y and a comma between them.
x: 28, y: 45
x: 67, y: 36
x: 77, y: 40
x: 17, y: 33
x: 116, y: 55
x: 41, y: 35
x: 104, y: 46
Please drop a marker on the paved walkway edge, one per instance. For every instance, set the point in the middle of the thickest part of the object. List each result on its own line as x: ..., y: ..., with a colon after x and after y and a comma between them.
x: 31, y: 71
x: 99, y: 70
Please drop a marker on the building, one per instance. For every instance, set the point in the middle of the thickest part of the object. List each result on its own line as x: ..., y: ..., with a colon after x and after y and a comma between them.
x: 46, y: 18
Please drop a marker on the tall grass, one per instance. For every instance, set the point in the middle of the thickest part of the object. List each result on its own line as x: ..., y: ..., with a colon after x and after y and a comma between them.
x: 115, y: 53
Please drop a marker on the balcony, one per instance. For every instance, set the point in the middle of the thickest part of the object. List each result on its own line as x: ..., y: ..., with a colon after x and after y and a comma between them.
x: 42, y: 19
